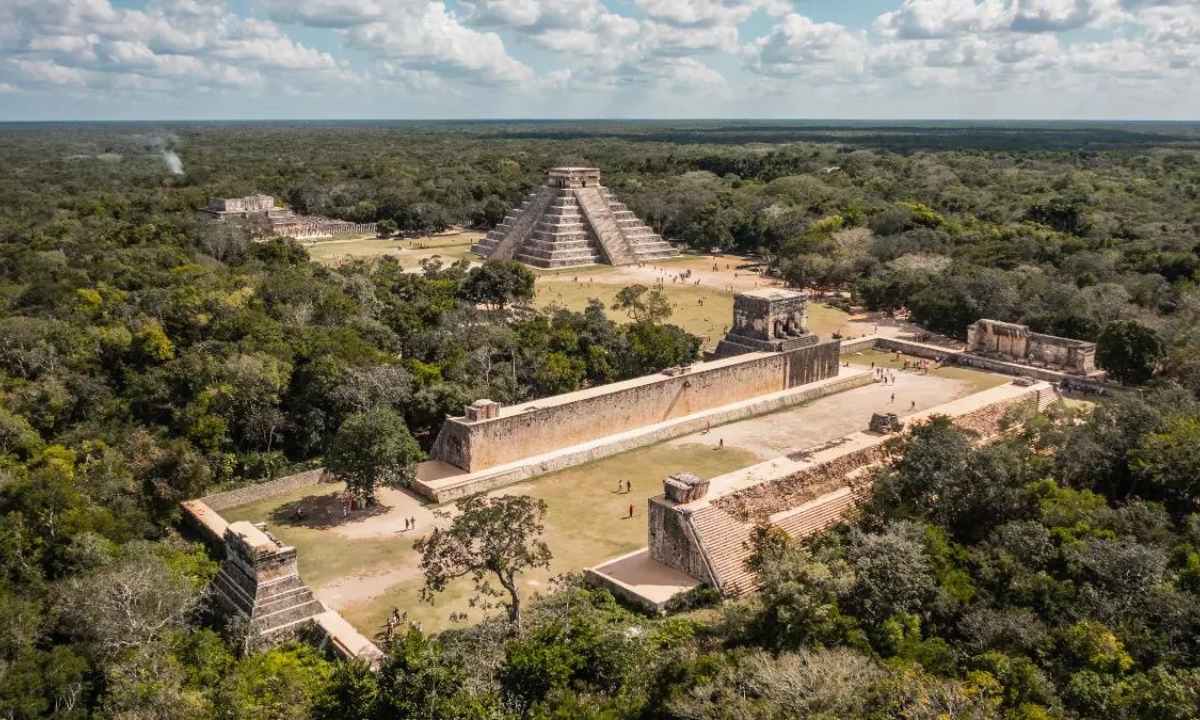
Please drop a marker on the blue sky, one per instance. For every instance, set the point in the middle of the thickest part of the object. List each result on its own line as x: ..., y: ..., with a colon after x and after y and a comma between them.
x: 265, y: 59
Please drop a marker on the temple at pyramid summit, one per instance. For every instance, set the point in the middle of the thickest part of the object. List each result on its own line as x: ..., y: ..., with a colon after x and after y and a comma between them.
x: 573, y: 220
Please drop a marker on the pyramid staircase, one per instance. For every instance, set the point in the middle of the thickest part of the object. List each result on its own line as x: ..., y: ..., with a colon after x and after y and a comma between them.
x: 573, y: 221
x: 259, y: 580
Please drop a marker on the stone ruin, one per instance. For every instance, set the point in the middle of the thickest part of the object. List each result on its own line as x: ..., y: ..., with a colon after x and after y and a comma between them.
x: 282, y: 222
x: 884, y: 423
x: 260, y: 581
x: 1015, y: 343
x: 242, y: 207
x: 573, y: 220
x: 685, y: 488
x: 768, y: 320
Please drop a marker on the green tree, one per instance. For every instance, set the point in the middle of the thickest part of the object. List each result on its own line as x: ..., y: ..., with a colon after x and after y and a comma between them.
x: 1167, y: 463
x: 498, y: 283
x: 1129, y: 351
x: 373, y: 448
x: 491, y: 538
x: 642, y: 304
x: 281, y: 684
x: 386, y: 227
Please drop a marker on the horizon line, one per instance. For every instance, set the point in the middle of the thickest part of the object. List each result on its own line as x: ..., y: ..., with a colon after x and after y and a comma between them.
x: 598, y: 119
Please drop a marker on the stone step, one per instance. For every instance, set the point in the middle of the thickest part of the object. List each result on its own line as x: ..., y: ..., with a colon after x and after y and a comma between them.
x: 556, y: 253
x: 275, y: 620
x: 544, y: 263
x: 560, y: 244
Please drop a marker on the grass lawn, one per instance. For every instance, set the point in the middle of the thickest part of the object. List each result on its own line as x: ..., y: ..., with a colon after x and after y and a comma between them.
x: 410, y: 251
x: 979, y: 380
x: 585, y: 524
x: 709, y: 320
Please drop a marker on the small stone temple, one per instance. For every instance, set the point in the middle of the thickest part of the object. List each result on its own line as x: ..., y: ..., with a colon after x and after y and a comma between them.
x: 768, y: 320
x: 1015, y: 343
x: 241, y: 207
x: 573, y: 220
x: 260, y: 581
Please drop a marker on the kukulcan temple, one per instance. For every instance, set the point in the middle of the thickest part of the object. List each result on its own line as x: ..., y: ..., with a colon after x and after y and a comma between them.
x: 570, y: 221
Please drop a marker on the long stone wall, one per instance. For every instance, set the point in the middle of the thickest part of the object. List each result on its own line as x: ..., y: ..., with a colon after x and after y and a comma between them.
x: 263, y: 490
x: 757, y: 503
x: 541, y: 426
x: 445, y: 490
x: 707, y: 538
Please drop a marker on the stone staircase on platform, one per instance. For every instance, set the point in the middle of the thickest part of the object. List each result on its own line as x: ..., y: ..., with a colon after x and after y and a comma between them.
x: 723, y: 539
x: 573, y: 221
x: 646, y: 244
x: 598, y: 213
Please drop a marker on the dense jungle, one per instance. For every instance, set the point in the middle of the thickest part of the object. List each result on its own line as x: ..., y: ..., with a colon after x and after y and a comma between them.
x: 148, y: 355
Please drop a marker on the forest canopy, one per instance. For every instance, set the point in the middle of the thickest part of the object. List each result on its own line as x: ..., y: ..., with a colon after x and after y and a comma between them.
x: 148, y: 356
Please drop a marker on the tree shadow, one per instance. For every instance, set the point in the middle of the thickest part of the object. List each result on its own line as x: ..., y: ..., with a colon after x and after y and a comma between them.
x: 321, y: 512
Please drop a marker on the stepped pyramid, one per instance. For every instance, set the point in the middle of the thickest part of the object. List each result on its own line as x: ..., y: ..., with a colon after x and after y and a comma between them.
x: 573, y: 220
x: 259, y: 581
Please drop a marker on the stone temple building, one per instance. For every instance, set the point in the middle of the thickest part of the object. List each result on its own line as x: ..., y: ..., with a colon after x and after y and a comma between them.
x: 768, y: 320
x: 573, y: 220
x: 242, y: 207
x: 1016, y: 343
x: 260, y: 582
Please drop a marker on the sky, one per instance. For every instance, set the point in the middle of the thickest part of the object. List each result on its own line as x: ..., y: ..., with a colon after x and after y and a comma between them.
x: 374, y: 59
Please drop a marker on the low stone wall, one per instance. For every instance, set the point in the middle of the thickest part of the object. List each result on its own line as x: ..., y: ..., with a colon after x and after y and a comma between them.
x: 759, y: 502
x: 263, y: 490
x: 857, y: 344
x: 208, y: 522
x: 543, y: 426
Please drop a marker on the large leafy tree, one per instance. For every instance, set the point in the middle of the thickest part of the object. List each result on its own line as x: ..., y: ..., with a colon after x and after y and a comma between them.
x: 498, y: 284
x: 642, y: 304
x: 1129, y: 351
x: 373, y: 448
x: 491, y: 539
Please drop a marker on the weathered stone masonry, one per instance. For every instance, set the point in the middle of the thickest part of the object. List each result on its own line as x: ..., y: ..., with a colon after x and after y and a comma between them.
x: 708, y: 538
x: 260, y: 581
x: 1016, y: 343
x: 570, y: 221
x: 544, y: 425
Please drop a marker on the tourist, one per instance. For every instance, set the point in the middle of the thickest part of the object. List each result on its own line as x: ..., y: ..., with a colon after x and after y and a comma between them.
x: 619, y: 486
x: 893, y: 397
x: 630, y: 510
x: 913, y: 406
x: 413, y: 523
x: 721, y: 443
x: 628, y: 486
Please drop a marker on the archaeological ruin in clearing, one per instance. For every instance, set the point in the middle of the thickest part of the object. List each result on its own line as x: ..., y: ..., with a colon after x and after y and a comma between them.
x: 697, y: 529
x: 571, y: 221
x: 271, y: 220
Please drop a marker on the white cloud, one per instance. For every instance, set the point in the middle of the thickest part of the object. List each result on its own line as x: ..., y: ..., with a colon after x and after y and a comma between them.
x: 166, y: 46
x: 433, y: 40
x: 798, y: 46
x: 708, y: 13
x: 929, y: 19
x: 326, y: 13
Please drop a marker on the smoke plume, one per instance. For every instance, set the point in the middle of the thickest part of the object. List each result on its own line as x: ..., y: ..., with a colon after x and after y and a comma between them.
x: 173, y: 162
